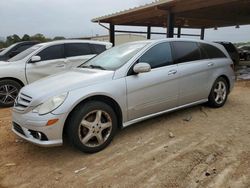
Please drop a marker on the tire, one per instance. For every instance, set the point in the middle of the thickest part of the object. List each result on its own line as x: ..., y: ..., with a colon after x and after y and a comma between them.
x: 9, y: 90
x: 90, y: 121
x: 218, y: 97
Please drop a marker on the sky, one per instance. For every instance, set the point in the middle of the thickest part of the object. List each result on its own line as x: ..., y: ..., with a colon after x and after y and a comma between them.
x: 72, y: 19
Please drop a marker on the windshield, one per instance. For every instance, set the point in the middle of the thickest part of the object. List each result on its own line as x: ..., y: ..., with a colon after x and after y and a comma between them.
x: 24, y: 53
x: 116, y: 57
x: 7, y: 49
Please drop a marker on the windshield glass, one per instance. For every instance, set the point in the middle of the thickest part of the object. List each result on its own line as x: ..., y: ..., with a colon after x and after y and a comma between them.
x: 116, y: 57
x: 24, y: 53
x: 7, y: 49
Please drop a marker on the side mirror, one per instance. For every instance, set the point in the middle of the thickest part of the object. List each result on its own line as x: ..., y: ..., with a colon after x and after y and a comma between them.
x: 142, y: 68
x: 35, y: 59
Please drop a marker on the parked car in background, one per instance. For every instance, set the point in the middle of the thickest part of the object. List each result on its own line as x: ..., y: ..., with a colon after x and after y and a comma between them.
x: 124, y: 85
x: 15, y: 49
x: 43, y: 60
x: 232, y: 50
x: 244, y: 52
x: 2, y: 49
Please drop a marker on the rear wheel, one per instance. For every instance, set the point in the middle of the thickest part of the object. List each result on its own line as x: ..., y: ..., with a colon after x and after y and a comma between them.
x: 219, y: 93
x: 9, y: 90
x: 92, y: 126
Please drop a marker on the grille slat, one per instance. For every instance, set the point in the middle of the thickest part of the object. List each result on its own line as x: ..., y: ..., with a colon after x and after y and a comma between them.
x: 22, y: 102
x: 18, y: 128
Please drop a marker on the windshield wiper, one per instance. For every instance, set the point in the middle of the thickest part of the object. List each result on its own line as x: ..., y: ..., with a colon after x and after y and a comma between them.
x: 93, y: 67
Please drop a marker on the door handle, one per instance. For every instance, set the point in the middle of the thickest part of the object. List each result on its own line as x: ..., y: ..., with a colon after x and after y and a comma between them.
x: 172, y: 72
x: 210, y: 64
x: 60, y: 66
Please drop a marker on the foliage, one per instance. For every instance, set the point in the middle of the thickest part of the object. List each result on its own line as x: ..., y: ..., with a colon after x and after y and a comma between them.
x: 37, y: 37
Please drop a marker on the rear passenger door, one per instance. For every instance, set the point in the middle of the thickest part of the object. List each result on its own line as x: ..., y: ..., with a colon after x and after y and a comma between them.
x: 52, y: 62
x: 77, y: 53
x: 154, y: 91
x: 193, y: 71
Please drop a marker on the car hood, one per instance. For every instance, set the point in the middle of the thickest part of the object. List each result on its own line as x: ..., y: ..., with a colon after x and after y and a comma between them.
x: 63, y: 82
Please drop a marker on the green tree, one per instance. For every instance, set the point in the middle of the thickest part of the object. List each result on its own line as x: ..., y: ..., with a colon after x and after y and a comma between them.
x: 26, y: 37
x: 16, y: 38
x: 39, y: 37
x: 59, y: 38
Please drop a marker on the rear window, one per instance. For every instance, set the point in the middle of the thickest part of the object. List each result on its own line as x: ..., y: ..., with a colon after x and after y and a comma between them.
x: 212, y: 51
x: 185, y: 51
x: 229, y: 47
x: 98, y: 48
x: 77, y: 49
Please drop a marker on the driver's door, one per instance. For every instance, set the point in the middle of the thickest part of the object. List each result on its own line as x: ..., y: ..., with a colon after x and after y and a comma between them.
x: 157, y: 90
x: 52, y: 62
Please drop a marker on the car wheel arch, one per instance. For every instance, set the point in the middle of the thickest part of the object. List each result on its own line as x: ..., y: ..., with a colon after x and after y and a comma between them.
x: 102, y: 98
x: 225, y: 77
x: 13, y: 79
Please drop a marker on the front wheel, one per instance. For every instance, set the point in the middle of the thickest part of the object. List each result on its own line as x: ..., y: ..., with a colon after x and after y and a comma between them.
x: 9, y: 90
x: 219, y: 93
x: 92, y: 126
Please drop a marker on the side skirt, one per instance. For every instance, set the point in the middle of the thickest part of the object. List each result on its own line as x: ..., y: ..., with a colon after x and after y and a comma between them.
x: 126, y: 124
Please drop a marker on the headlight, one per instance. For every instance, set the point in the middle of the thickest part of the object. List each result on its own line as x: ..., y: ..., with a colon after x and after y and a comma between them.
x: 51, y: 104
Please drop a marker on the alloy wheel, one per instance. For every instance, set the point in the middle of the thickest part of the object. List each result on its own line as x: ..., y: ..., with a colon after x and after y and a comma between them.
x: 220, y: 92
x: 8, y: 94
x: 95, y: 128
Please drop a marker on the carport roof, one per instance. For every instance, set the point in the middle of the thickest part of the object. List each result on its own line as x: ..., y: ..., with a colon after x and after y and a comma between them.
x: 188, y: 14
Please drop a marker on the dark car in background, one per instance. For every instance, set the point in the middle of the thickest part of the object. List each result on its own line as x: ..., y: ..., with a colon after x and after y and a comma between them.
x: 2, y: 49
x: 15, y: 49
x: 244, y: 52
x: 232, y: 50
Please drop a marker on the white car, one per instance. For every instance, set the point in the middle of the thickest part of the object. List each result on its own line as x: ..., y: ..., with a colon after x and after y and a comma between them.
x: 41, y: 61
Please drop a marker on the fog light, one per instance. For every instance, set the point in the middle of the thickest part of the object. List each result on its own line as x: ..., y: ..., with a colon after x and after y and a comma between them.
x: 39, y: 136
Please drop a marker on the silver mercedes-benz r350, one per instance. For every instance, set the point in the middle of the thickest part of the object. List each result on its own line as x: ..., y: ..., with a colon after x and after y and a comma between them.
x: 124, y: 85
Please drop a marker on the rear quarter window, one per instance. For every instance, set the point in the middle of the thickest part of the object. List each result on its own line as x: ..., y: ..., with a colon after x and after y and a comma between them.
x: 212, y: 51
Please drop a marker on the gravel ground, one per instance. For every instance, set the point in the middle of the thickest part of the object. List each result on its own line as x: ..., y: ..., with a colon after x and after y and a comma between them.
x: 195, y: 147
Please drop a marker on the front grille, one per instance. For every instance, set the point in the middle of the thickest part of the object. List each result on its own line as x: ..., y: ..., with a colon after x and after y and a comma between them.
x: 18, y: 128
x: 22, y: 102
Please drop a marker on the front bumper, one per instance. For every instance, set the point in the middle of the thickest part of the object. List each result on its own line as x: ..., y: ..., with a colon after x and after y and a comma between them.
x: 25, y: 125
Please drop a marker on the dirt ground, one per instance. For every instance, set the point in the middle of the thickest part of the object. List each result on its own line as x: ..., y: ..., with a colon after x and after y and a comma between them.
x: 210, y: 148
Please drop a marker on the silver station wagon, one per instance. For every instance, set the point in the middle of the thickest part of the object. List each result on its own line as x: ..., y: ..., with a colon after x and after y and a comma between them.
x: 124, y: 85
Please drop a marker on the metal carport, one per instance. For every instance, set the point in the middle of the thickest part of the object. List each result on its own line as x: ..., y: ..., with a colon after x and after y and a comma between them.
x: 198, y: 14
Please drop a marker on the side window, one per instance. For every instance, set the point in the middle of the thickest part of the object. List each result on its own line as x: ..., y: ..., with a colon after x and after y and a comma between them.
x: 186, y: 51
x: 52, y: 52
x: 77, y: 49
x: 97, y: 48
x: 212, y: 51
x: 158, y: 56
x: 23, y: 47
